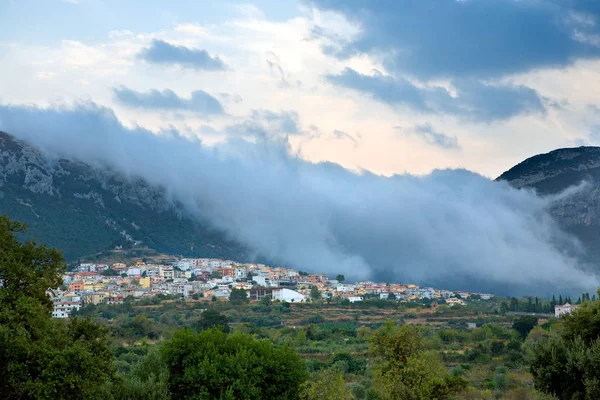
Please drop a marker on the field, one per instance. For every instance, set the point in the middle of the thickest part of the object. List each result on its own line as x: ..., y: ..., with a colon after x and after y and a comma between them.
x: 335, y: 336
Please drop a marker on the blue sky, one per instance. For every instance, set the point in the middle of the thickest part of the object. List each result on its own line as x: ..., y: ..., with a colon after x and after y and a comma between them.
x: 385, y: 86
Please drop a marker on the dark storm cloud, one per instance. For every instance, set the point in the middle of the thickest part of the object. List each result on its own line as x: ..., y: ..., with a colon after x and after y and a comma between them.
x: 466, y: 39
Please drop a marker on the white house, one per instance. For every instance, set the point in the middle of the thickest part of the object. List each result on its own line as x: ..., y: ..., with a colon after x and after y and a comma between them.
x: 354, y: 299
x: 260, y: 280
x: 452, y: 301
x: 279, y: 293
x: 564, y: 309
x: 184, y: 264
x: 288, y: 295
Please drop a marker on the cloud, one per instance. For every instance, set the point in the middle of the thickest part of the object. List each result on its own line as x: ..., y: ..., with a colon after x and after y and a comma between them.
x: 431, y: 39
x: 451, y: 228
x: 474, y: 100
x: 161, y: 52
x: 434, y: 137
x: 343, y: 135
x: 285, y: 121
x: 200, y: 102
x: 276, y: 68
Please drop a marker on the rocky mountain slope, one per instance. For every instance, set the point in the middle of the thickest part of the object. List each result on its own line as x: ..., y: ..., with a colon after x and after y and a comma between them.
x: 83, y: 210
x: 578, y: 209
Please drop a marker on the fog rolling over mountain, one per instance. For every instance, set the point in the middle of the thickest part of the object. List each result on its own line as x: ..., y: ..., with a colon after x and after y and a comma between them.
x: 574, y: 172
x: 452, y: 228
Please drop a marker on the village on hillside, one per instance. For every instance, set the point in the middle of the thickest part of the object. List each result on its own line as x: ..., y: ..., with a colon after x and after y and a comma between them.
x: 214, y: 279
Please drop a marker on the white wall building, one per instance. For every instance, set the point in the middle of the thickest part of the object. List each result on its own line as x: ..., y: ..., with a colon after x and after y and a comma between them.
x: 565, y: 309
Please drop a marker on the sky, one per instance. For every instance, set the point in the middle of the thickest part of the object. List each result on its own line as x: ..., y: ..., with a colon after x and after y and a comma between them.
x: 397, y: 97
x: 385, y: 86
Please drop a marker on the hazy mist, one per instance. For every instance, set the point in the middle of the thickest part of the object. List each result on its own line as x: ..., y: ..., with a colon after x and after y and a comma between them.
x: 451, y: 228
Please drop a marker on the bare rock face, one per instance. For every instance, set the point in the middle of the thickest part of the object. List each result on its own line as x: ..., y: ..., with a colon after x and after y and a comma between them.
x: 572, y: 177
x: 83, y: 210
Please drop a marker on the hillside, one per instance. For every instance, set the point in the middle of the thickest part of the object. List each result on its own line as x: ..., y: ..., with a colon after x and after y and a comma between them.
x: 83, y: 210
x: 554, y: 172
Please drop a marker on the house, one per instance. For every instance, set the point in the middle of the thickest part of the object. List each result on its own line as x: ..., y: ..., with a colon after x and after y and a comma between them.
x: 63, y: 309
x: 565, y: 309
x: 354, y: 299
x: 452, y: 301
x: 76, y: 286
x: 277, y: 293
x: 145, y: 282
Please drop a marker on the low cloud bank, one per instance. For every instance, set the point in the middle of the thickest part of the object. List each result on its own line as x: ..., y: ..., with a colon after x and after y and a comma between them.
x: 451, y: 228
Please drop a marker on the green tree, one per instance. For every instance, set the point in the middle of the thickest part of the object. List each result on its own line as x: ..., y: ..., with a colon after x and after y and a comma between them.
x: 211, y: 318
x: 315, y: 293
x: 566, y: 362
x: 109, y: 272
x: 340, y: 278
x: 266, y: 301
x: 328, y: 385
x: 147, y: 380
x: 43, y: 358
x: 238, y: 297
x: 133, y: 329
x: 403, y: 370
x: 215, y: 365
x: 524, y: 325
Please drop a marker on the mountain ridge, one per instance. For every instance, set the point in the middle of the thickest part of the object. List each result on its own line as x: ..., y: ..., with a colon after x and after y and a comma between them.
x: 82, y: 209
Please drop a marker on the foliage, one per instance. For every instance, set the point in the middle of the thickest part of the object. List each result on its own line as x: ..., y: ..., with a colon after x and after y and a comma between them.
x: 238, y: 297
x: 315, y: 293
x: 215, y: 365
x: 405, y: 371
x: 147, y: 380
x: 328, y: 385
x: 566, y: 363
x: 524, y: 325
x: 211, y: 318
x: 42, y: 358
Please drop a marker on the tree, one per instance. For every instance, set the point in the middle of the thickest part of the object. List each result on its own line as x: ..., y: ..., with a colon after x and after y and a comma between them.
x: 405, y: 371
x: 315, y: 293
x: 212, y: 319
x: 109, y: 272
x: 524, y: 325
x: 238, y: 297
x: 215, y: 365
x: 392, y: 297
x: 148, y: 380
x: 340, y: 278
x: 566, y: 362
x: 133, y: 329
x: 40, y: 357
x: 328, y: 385
x: 266, y: 301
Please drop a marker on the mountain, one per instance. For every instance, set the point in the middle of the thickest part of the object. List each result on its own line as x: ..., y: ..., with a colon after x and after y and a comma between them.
x: 83, y: 210
x: 578, y: 211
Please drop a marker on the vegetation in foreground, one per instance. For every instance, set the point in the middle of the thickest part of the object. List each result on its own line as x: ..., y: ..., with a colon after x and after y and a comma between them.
x: 172, y: 349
